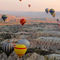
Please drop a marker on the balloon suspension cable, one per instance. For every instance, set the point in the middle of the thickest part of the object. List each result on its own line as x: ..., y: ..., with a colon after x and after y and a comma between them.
x: 23, y: 33
x: 22, y: 21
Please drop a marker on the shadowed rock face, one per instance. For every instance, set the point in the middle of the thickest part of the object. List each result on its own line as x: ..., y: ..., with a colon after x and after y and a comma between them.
x: 35, y: 56
x: 13, y: 56
x: 5, y: 36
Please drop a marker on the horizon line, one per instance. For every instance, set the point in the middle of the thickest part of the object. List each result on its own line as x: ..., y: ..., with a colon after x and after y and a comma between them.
x: 23, y: 11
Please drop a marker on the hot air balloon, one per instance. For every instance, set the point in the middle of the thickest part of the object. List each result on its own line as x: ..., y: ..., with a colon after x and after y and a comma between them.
x: 20, y: 50
x: 57, y: 20
x: 20, y: 0
x: 4, y: 17
x: 29, y: 5
x: 22, y: 21
x: 47, y: 10
x: 7, y: 48
x: 52, y: 12
x: 25, y: 42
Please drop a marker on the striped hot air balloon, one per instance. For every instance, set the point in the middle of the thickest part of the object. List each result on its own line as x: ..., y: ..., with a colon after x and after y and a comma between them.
x: 7, y: 48
x: 47, y: 10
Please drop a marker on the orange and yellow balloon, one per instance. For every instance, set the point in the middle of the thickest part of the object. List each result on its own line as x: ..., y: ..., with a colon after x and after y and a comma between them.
x: 20, y: 49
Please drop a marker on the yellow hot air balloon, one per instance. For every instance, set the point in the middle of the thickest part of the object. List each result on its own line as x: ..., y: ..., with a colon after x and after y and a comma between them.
x: 20, y: 49
x: 54, y: 14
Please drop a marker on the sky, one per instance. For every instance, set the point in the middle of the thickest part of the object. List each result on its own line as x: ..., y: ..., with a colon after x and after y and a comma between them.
x: 36, y: 5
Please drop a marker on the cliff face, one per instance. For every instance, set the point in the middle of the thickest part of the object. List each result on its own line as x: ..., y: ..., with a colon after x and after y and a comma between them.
x: 38, y: 35
x: 13, y: 56
x: 35, y: 56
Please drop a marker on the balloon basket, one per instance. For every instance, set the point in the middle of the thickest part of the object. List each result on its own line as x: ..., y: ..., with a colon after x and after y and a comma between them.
x: 21, y: 58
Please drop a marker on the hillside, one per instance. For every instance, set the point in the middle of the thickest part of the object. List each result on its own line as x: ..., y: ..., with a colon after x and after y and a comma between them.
x: 13, y: 20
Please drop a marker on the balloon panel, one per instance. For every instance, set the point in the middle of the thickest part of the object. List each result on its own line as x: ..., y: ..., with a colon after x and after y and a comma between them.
x: 25, y: 42
x: 22, y: 21
x: 20, y: 49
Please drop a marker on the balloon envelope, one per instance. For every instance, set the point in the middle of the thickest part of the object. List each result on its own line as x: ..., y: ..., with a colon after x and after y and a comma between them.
x: 25, y: 42
x: 57, y: 19
x: 47, y: 10
x: 52, y: 11
x: 20, y: 0
x: 4, y: 17
x: 29, y: 5
x: 20, y: 49
x: 22, y: 21
x: 7, y: 48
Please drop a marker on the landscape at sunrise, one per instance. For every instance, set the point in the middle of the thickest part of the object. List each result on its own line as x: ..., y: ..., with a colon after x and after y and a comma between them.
x: 29, y: 30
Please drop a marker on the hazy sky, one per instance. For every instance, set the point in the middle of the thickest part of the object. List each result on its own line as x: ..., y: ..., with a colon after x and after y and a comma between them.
x: 36, y: 5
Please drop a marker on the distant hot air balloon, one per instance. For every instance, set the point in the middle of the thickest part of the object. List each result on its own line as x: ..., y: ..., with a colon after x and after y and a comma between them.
x: 20, y: 0
x: 4, y: 17
x: 7, y: 48
x: 47, y: 10
x: 52, y: 12
x: 29, y: 5
x: 22, y: 21
x: 25, y: 42
x: 20, y: 50
x: 57, y: 20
